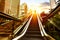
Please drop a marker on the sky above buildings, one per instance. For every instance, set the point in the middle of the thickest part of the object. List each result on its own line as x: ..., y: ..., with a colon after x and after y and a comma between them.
x: 34, y: 4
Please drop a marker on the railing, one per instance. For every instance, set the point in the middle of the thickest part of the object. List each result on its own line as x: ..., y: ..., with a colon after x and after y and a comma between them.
x: 21, y: 26
x: 22, y: 33
x: 51, y: 26
x: 42, y: 30
x: 9, y: 24
x: 52, y: 13
x: 43, y: 33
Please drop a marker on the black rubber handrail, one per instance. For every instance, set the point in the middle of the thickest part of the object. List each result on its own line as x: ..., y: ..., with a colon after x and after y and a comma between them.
x: 23, y: 26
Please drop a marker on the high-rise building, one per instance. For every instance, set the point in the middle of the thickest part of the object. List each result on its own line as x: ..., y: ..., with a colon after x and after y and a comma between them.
x: 23, y: 8
x: 10, y: 7
x: 15, y: 7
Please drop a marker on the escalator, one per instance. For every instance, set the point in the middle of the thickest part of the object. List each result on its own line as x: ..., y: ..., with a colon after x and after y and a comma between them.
x: 52, y: 22
x: 33, y: 32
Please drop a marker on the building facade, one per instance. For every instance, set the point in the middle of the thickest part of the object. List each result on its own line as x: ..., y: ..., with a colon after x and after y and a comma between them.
x: 10, y: 7
x: 14, y: 7
x: 23, y: 9
x: 2, y: 5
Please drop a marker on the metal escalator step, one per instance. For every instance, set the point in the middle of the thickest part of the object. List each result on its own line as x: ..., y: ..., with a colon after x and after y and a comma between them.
x: 33, y: 29
x: 33, y: 36
x: 29, y: 38
x: 33, y: 32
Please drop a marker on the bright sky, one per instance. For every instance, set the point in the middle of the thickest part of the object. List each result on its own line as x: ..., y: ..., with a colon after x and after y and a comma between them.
x: 33, y: 4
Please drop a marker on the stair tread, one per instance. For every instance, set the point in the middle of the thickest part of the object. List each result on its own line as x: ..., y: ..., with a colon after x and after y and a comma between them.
x: 33, y: 32
x: 30, y: 38
x: 32, y: 35
x: 30, y: 32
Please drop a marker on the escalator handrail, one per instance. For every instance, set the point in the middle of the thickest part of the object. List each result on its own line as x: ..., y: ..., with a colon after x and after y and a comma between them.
x: 20, y: 28
x: 52, y: 13
x: 43, y: 33
x: 24, y: 30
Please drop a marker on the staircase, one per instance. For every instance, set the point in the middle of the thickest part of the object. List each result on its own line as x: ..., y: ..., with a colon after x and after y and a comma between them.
x: 33, y: 32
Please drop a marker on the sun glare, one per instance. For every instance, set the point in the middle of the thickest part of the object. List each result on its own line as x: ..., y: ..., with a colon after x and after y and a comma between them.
x: 39, y: 9
x: 35, y: 7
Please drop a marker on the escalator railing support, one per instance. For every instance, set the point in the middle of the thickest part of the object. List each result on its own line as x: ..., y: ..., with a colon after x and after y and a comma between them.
x: 24, y: 30
x: 43, y: 32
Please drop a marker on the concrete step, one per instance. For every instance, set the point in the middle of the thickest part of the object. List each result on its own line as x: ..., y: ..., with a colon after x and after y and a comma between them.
x: 33, y: 29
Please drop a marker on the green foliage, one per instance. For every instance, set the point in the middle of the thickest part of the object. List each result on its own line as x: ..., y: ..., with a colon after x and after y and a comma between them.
x: 51, y: 29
